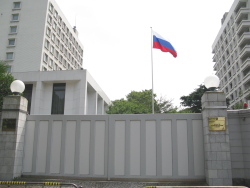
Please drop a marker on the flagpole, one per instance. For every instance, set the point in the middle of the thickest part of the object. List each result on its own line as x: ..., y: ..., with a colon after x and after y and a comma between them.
x: 152, y: 71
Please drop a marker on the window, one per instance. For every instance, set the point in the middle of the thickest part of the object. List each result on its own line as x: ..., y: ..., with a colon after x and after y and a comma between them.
x: 54, y: 25
x: 66, y: 41
x: 15, y: 17
x: 8, y: 69
x: 11, y: 42
x: 9, y: 55
x: 17, y: 5
x: 46, y: 44
x: 49, y: 19
x: 59, y: 20
x: 58, y: 98
x: 53, y: 37
x: 13, y: 29
x: 63, y: 26
x: 55, y: 66
x: 58, y: 32
x: 52, y: 49
x: 28, y: 94
x: 51, y: 8
x: 65, y: 52
x: 45, y: 58
x: 51, y: 62
x: 55, y: 14
x: 61, y: 47
x: 48, y: 32
x: 60, y: 58
x: 44, y: 69
x: 62, y: 37
x: 56, y: 54
x: 57, y: 42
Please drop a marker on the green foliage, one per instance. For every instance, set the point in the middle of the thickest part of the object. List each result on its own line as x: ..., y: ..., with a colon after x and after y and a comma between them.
x: 185, y: 110
x: 5, y: 80
x: 140, y: 102
x: 238, y: 105
x: 193, y: 100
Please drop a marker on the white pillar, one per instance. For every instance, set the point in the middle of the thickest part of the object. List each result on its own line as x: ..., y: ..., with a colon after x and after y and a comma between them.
x: 92, y: 102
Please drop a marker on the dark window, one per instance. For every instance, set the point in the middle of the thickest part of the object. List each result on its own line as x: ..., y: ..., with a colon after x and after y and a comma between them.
x: 28, y: 95
x: 58, y: 98
x: 17, y: 5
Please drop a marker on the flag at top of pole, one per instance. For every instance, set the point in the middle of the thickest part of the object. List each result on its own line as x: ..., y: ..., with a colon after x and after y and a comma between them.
x: 160, y: 43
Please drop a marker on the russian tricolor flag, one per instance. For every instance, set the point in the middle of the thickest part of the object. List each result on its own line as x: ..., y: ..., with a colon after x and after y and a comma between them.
x: 160, y: 43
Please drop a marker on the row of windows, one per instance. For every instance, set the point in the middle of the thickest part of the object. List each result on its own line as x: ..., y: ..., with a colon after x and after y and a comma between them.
x: 64, y: 38
x: 13, y: 30
x: 53, y: 65
x: 71, y: 54
x: 58, y: 25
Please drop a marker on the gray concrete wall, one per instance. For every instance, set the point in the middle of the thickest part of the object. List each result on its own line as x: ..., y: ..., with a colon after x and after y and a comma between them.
x: 113, y: 147
x: 239, y: 128
x: 160, y: 147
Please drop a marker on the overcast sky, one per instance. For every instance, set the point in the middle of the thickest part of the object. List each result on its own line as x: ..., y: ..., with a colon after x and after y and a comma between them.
x: 117, y: 43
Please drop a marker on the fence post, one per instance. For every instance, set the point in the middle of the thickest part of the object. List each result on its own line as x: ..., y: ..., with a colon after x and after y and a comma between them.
x: 216, y: 139
x: 12, y: 130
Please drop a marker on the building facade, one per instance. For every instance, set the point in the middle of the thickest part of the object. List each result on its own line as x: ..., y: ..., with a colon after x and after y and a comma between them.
x: 39, y: 45
x: 71, y: 92
x: 36, y: 36
x: 231, y: 50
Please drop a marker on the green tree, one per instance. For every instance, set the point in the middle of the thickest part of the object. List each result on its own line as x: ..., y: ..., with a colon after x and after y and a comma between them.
x: 193, y: 100
x: 5, y: 80
x: 140, y: 102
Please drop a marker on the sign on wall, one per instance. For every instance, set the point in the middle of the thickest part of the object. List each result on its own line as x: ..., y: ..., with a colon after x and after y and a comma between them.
x: 217, y: 123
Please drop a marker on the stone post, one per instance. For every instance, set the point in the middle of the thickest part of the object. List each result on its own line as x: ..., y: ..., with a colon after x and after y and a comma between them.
x: 216, y: 143
x: 12, y: 128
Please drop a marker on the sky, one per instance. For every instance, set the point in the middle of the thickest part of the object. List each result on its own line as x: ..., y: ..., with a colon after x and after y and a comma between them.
x: 116, y: 36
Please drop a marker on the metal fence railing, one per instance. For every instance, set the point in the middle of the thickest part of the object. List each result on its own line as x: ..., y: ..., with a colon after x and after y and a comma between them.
x: 24, y: 183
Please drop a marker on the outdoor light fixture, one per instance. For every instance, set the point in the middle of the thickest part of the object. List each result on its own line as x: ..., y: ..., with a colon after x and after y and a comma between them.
x: 212, y: 82
x: 17, y: 87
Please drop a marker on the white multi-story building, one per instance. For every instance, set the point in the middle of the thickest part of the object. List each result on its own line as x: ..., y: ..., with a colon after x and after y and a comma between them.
x: 36, y: 36
x: 37, y: 42
x: 231, y: 50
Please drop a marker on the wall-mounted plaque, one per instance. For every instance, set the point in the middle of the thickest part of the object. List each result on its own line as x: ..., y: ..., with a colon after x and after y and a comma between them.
x: 9, y: 125
x: 217, y: 123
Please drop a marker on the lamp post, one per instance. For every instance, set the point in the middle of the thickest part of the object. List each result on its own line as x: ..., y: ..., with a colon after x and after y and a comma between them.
x: 212, y: 82
x: 17, y: 87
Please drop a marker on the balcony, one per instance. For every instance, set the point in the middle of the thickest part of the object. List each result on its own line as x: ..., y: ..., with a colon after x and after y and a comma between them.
x: 246, y: 80
x: 244, y: 39
x: 242, y: 14
x: 246, y: 66
x: 240, y: 5
x: 245, y: 53
x: 243, y: 25
x: 247, y: 94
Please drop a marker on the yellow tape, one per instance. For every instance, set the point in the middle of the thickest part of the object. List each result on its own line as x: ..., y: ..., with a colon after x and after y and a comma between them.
x: 51, y: 183
x: 12, y: 182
